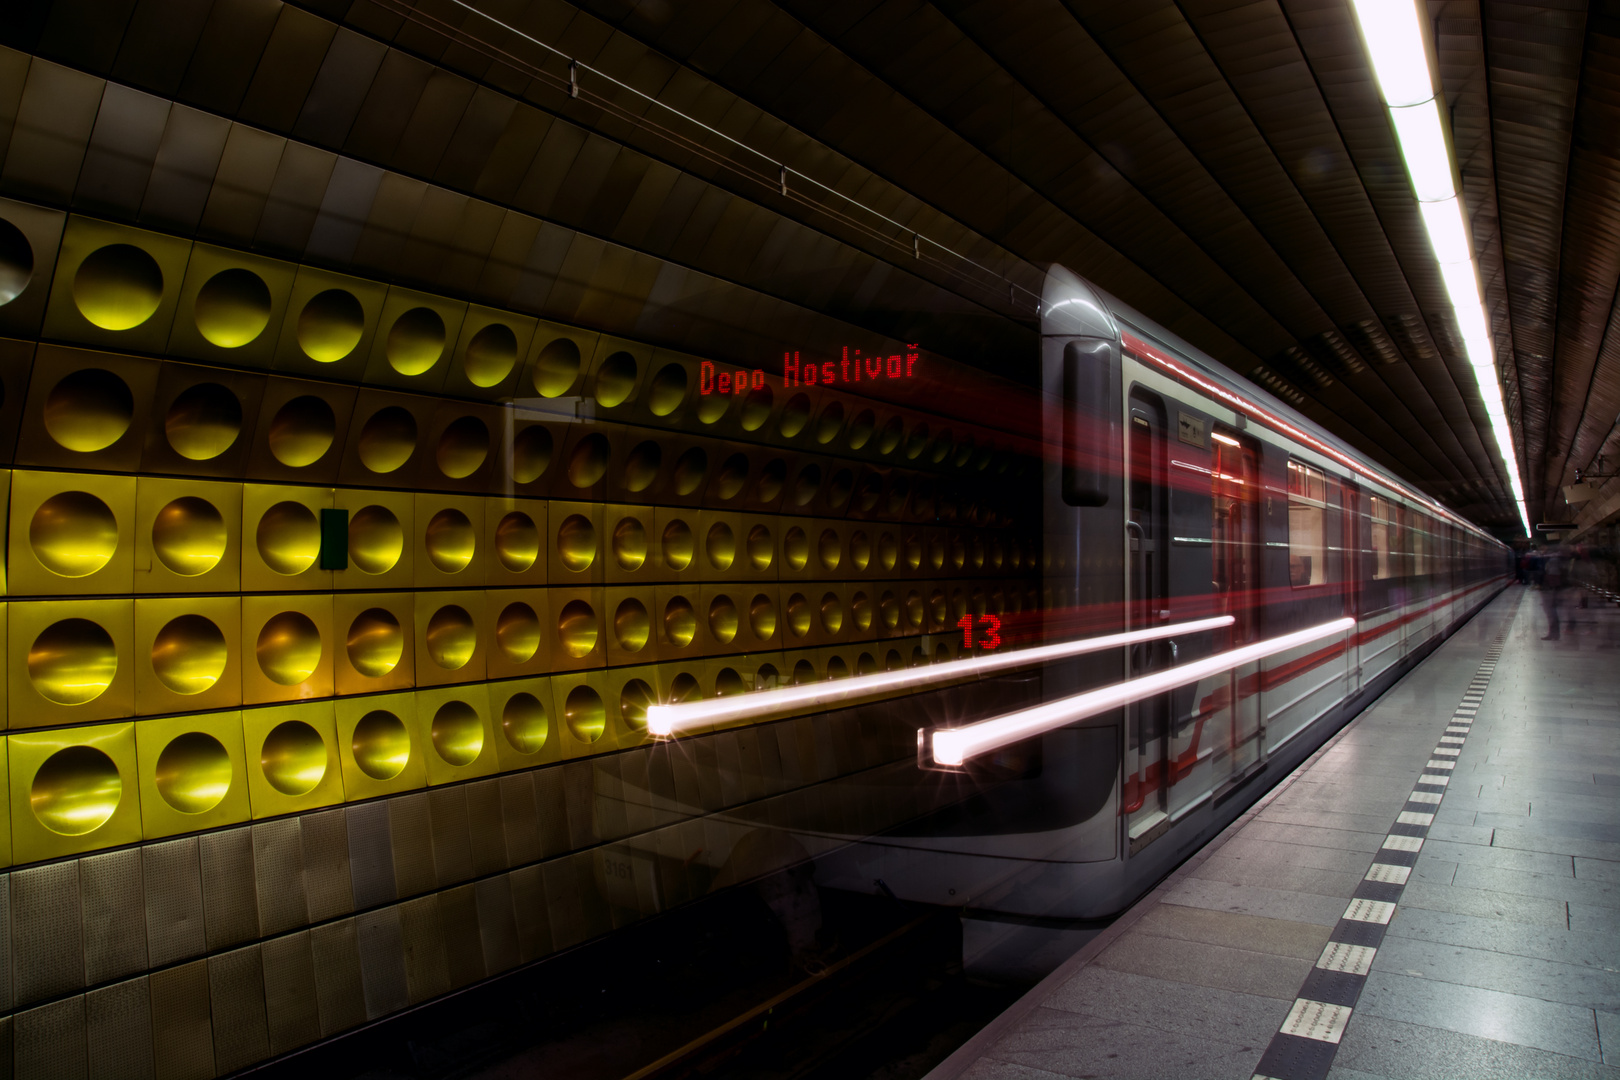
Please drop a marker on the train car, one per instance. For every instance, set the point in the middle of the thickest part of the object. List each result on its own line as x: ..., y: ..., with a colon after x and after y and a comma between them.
x: 1174, y: 494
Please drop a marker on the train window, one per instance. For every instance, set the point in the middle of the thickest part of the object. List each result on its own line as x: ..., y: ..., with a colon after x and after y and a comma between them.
x: 1421, y: 541
x: 1383, y: 536
x: 1307, y: 525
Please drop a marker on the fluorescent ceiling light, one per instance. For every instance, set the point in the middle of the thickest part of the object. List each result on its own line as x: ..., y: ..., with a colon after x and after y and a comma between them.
x: 1448, y: 232
x: 1395, y: 43
x: 1423, y: 145
x: 1462, y: 287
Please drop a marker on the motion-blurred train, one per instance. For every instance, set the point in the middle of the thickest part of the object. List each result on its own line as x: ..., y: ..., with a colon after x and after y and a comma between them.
x: 1174, y: 492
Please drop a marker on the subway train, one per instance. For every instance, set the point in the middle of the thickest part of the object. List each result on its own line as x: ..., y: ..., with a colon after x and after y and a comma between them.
x: 1174, y: 496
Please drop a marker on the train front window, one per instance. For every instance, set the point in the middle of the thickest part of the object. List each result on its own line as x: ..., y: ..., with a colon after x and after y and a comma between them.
x: 1307, y: 525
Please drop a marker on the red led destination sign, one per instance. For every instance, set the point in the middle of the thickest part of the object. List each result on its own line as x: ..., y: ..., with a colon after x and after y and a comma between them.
x: 847, y: 369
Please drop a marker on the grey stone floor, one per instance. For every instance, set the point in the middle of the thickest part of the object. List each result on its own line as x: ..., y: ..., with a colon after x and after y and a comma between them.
x: 1503, y: 958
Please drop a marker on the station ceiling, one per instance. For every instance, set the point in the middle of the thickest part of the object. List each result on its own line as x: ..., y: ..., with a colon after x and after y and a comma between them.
x: 756, y: 175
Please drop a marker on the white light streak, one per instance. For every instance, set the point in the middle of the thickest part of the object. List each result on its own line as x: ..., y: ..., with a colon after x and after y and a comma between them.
x: 667, y: 720
x: 1400, y: 60
x: 953, y: 746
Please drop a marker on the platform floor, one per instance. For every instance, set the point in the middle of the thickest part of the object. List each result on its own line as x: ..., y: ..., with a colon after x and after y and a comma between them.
x: 1501, y: 952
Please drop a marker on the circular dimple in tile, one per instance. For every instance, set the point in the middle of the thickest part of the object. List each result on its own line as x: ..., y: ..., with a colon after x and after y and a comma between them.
x: 795, y: 416
x: 232, y: 308
x: 830, y: 423
x: 584, y: 714
x: 667, y: 390
x: 193, y: 773
x: 89, y: 410
x: 630, y: 543
x: 16, y: 262
x: 860, y: 551
x: 691, y: 469
x: 289, y: 538
x: 577, y: 628
x: 832, y: 613
x: 463, y: 447
x: 762, y: 616
x: 631, y: 625
x: 376, y: 540
x: 458, y: 733
x: 642, y: 465
x: 589, y: 461
x: 830, y: 550
x: 72, y: 662
x: 524, y: 723
x: 73, y: 534
x: 680, y: 622
x: 861, y: 428
x: 450, y: 541
x: 288, y: 648
x: 576, y: 542
x: 517, y: 632
x: 616, y: 380
x: 75, y: 791
x: 633, y: 702
x: 720, y: 546
x: 556, y: 369
x: 678, y: 545
x: 798, y: 615
x: 330, y: 326
x: 302, y: 431
x: 761, y: 551
x: 517, y: 541
x: 381, y: 745
x: 415, y: 341
x: 451, y: 637
x: 490, y: 356
x: 756, y: 409
x: 189, y: 536
x: 203, y: 422
x: 118, y: 287
x: 375, y: 642
x: 723, y: 619
x: 293, y: 758
x: 189, y: 654
x: 796, y: 549
x: 531, y: 454
x: 388, y: 439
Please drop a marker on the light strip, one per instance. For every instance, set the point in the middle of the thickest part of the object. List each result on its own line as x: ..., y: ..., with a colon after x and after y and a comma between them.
x: 953, y: 746
x: 1400, y: 60
x: 670, y: 720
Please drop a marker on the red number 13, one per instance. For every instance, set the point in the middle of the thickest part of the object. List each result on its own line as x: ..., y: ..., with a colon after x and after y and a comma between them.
x: 991, y: 640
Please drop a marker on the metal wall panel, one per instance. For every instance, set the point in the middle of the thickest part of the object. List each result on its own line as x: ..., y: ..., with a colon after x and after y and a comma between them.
x: 382, y: 961
x: 578, y: 789
x: 411, y: 833
x: 174, y: 902
x: 54, y: 120
x: 50, y: 1041
x: 485, y: 827
x: 497, y: 925
x: 452, y: 854
x: 230, y: 908
x: 5, y: 944
x: 114, y: 915
x: 46, y: 928
x: 531, y: 913
x: 327, y: 888
x: 339, y: 88
x: 339, y: 988
x: 463, y: 944
x: 123, y: 145
x: 236, y: 999
x: 118, y: 1031
x: 278, y: 862
x: 563, y: 903
x: 291, y: 997
x: 521, y: 823
x: 6, y: 1057
x: 233, y: 39
x: 182, y: 1035
x: 184, y: 171
x: 159, y: 42
x: 287, y: 69
x: 371, y: 854
x: 551, y: 810
x: 635, y: 792
x: 427, y: 972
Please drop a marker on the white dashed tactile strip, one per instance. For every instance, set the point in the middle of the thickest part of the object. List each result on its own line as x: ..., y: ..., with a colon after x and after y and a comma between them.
x: 1304, y: 1046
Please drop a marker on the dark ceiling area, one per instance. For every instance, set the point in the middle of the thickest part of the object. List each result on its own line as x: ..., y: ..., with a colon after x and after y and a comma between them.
x: 742, y: 172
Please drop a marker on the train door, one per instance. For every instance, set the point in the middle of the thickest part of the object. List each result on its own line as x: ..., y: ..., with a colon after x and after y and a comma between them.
x: 1235, y: 535
x: 1147, y: 604
x: 1353, y: 571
